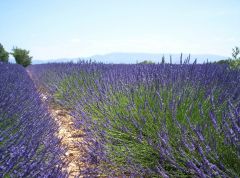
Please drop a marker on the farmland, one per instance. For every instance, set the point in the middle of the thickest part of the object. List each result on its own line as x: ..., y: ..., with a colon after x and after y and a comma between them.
x: 139, y: 120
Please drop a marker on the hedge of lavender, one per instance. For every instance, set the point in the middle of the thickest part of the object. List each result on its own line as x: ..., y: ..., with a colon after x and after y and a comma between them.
x: 28, y: 146
x: 158, y: 120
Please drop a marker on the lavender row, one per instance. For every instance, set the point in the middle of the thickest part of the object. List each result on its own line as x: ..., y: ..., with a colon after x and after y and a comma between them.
x: 28, y: 145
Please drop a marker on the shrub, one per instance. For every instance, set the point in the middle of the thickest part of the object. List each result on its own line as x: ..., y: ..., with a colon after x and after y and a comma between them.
x: 3, y: 54
x: 146, y: 62
x: 22, y: 56
x: 233, y: 62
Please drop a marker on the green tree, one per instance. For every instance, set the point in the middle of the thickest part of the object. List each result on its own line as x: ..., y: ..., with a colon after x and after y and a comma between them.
x: 235, y: 52
x: 233, y: 62
x: 22, y: 56
x: 3, y: 54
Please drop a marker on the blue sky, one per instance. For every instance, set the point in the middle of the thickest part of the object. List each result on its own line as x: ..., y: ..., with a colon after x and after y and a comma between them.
x: 53, y: 29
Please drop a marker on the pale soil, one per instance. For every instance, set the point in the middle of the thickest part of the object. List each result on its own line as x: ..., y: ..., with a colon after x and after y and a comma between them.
x: 70, y: 137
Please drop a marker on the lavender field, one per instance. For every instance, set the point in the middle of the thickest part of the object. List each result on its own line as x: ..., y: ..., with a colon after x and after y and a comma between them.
x: 138, y: 120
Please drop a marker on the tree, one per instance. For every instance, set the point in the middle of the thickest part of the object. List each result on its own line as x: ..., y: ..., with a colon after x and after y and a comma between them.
x: 235, y: 53
x: 22, y: 56
x: 3, y: 54
x: 163, y: 60
x: 233, y: 62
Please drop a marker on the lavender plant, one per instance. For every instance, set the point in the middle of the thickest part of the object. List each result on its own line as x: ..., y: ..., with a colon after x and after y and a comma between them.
x: 28, y: 145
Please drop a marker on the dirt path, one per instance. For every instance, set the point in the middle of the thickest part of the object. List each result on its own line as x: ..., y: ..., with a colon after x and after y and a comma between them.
x: 70, y: 137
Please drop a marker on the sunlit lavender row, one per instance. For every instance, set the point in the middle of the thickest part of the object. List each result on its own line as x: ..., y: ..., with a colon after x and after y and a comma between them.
x: 151, y: 120
x: 28, y: 145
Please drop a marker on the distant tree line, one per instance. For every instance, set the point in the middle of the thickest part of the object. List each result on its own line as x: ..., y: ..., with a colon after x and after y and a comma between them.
x: 234, y: 61
x: 146, y: 62
x: 21, y: 56
x: 151, y: 62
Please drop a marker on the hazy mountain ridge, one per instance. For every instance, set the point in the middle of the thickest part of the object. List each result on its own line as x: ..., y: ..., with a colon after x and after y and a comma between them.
x: 138, y: 57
